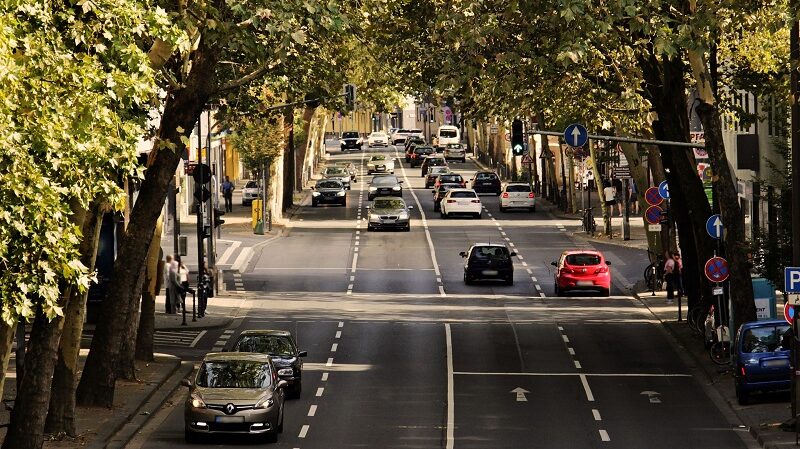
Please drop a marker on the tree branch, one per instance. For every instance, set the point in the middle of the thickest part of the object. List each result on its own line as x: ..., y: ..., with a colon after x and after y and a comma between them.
x: 235, y: 84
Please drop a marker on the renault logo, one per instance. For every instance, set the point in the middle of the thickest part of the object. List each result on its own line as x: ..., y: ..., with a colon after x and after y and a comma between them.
x: 230, y: 409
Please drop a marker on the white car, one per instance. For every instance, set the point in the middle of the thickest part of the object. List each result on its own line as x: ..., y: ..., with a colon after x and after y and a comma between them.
x: 250, y: 192
x: 517, y: 195
x: 380, y: 164
x: 447, y: 134
x: 391, y: 133
x: 377, y: 139
x: 339, y: 174
x: 461, y: 201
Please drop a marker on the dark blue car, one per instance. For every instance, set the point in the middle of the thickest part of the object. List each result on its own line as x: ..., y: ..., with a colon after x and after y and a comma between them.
x: 762, y: 358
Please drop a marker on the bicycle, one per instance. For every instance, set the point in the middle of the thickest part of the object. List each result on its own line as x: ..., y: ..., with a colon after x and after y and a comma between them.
x: 720, y: 344
x: 696, y: 318
x: 654, y: 273
x: 589, y: 225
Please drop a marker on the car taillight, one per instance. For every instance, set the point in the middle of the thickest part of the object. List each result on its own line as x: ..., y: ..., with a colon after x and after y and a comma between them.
x: 744, y: 373
x: 566, y: 270
x: 530, y: 195
x: 451, y: 201
x: 476, y: 201
x: 505, y: 194
x: 601, y: 270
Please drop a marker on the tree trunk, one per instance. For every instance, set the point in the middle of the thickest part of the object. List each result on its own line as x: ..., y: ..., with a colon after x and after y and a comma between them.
x: 182, y: 108
x: 6, y: 341
x: 308, y: 115
x: 288, y: 160
x: 151, y: 287
x: 126, y: 364
x: 61, y: 414
x: 26, y: 430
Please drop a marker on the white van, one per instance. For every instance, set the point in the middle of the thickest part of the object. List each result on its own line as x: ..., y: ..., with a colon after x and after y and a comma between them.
x: 447, y: 134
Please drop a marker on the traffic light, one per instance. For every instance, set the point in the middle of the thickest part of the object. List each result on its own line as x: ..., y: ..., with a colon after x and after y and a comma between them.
x: 517, y: 138
x: 218, y: 221
x: 349, y: 95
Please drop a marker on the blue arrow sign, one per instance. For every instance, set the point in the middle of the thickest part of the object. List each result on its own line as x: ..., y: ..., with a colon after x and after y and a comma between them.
x: 792, y: 280
x: 714, y: 226
x: 663, y: 190
x: 576, y: 135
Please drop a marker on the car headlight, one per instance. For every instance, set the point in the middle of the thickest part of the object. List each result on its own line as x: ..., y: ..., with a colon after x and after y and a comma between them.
x: 374, y: 217
x: 340, y: 193
x: 285, y: 372
x: 265, y: 403
x: 403, y: 215
x: 396, y: 188
x: 197, y: 402
x: 373, y: 189
x: 315, y: 193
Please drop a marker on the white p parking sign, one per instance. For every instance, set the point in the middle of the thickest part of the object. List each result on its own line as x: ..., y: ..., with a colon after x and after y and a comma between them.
x: 792, y: 280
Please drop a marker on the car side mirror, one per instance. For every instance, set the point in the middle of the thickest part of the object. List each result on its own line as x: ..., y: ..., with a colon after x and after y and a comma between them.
x: 282, y: 384
x: 462, y: 254
x: 366, y: 207
x: 400, y: 181
x: 186, y: 383
x: 553, y: 264
x: 608, y: 263
x: 302, y: 354
x: 512, y: 254
x: 313, y: 187
x: 410, y: 207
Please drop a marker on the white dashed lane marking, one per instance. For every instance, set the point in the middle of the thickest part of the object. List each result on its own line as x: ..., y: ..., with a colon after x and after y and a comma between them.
x: 312, y: 410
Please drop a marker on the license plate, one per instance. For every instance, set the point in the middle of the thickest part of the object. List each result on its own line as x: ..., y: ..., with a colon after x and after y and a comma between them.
x: 229, y: 419
x: 585, y: 283
x: 490, y: 272
x: 774, y: 363
x: 389, y: 221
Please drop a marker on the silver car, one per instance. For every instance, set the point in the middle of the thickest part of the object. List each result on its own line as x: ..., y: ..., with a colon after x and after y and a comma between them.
x: 455, y: 151
x: 234, y: 393
x: 388, y: 212
x: 250, y: 192
x: 339, y: 174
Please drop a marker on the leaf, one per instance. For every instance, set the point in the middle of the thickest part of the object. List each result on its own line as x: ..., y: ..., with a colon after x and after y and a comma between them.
x: 299, y: 36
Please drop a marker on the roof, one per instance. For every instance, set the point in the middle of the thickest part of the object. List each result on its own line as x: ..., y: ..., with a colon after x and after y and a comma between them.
x: 276, y: 332
x: 243, y: 356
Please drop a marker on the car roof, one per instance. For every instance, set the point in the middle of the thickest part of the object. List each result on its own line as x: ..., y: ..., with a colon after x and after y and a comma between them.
x: 275, y: 332
x: 488, y: 244
x: 463, y: 190
x: 516, y: 183
x: 765, y: 323
x: 581, y: 251
x: 244, y: 356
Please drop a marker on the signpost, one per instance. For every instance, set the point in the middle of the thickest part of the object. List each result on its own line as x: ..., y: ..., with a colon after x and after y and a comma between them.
x: 716, y: 269
x: 714, y: 226
x: 652, y: 196
x: 653, y: 217
x: 663, y: 190
x: 791, y: 280
x: 527, y: 159
x: 788, y: 312
x: 576, y: 135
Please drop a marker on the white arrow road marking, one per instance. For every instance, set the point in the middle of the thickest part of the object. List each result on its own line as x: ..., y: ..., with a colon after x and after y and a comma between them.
x: 520, y: 392
x: 653, y: 396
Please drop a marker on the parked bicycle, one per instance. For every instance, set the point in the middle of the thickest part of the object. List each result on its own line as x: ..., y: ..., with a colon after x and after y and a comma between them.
x: 654, y: 273
x: 717, y: 339
x: 589, y: 225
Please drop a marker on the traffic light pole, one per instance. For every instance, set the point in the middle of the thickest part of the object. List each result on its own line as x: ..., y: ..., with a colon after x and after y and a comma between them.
x: 198, y: 197
x: 210, y: 206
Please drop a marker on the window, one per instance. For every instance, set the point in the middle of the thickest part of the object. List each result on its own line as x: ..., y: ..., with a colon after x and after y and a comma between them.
x: 350, y: 135
x: 329, y: 185
x: 234, y: 374
x: 463, y: 194
x: 389, y: 204
x: 767, y: 339
x: 265, y: 344
x: 490, y: 252
x: 518, y: 188
x: 486, y: 176
x: 448, y: 133
x: 583, y: 259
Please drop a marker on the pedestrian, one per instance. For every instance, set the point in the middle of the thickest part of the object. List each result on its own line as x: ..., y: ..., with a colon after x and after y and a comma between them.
x: 618, y: 196
x: 227, y: 192
x: 677, y: 273
x: 608, y: 195
x: 183, y: 278
x: 175, y: 289
x: 669, y: 276
x: 167, y: 267
x: 633, y: 197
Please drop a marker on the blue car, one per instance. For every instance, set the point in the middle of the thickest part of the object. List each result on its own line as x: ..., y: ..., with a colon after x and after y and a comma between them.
x: 762, y: 358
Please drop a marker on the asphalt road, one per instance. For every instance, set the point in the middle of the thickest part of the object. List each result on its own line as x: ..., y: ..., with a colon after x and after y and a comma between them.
x: 403, y: 354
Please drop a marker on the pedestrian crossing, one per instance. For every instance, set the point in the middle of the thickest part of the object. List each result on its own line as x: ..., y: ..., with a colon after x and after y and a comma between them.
x: 174, y: 338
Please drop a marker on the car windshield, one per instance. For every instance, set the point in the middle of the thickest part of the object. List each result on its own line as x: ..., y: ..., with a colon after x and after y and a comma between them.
x: 450, y: 178
x: 518, y: 188
x: 447, y: 133
x: 335, y: 171
x: 384, y: 181
x: 329, y: 185
x: 265, y: 344
x: 438, y: 170
x: 583, y: 259
x: 490, y: 252
x: 464, y: 194
x: 251, y: 185
x: 416, y: 130
x: 350, y: 135
x: 378, y: 135
x: 378, y: 158
x: 389, y: 204
x: 404, y: 131
x: 234, y: 374
x: 767, y: 339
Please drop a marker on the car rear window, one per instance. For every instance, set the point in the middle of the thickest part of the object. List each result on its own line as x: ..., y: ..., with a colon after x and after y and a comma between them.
x: 435, y: 161
x: 450, y: 178
x: 454, y: 146
x: 466, y: 194
x: 583, y: 259
x: 349, y: 135
x: 490, y: 252
x: 251, y: 185
x: 438, y: 170
x: 518, y: 188
x: 448, y: 133
x: 766, y: 339
x: 485, y: 176
x: 425, y: 150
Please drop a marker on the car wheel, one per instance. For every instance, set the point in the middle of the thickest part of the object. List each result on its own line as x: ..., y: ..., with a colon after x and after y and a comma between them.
x: 407, y: 228
x: 467, y: 279
x: 271, y: 437
x: 510, y: 280
x: 556, y: 290
x: 435, y: 207
x: 533, y: 209
x: 463, y: 160
x: 502, y: 209
x: 370, y: 228
x: 479, y: 215
x: 344, y: 203
x: 442, y: 214
x: 190, y: 437
x: 605, y: 292
x: 497, y: 193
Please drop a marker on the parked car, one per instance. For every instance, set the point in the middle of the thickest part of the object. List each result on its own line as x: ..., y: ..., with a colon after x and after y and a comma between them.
x: 351, y: 140
x: 431, y: 161
x: 485, y: 182
x: 762, y: 356
x: 488, y: 261
x: 378, y: 139
x: 338, y: 173
x: 280, y: 346
x: 433, y: 174
x: 582, y: 270
x: 455, y: 151
x: 250, y: 192
x: 388, y: 212
x: 387, y: 185
x: 419, y: 155
x: 330, y: 191
x: 517, y: 195
x: 439, y: 192
x: 380, y: 164
x: 350, y: 167
x: 450, y: 178
x: 234, y: 393
x: 460, y: 201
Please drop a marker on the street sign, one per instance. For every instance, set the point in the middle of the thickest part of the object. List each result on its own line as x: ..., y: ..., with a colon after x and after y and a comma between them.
x: 652, y: 196
x: 576, y: 135
x: 527, y: 159
x: 621, y: 172
x: 653, y: 215
x: 493, y: 129
x: 791, y: 279
x: 202, y: 195
x: 788, y: 312
x: 716, y: 269
x: 714, y: 226
x: 663, y: 190
x: 201, y: 173
x: 717, y: 291
x: 654, y: 228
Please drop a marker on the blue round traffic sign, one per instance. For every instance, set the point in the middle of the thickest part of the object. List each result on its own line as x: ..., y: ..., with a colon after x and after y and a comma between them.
x: 716, y: 269
x: 653, y: 214
x: 714, y: 226
x: 576, y: 135
x: 663, y: 190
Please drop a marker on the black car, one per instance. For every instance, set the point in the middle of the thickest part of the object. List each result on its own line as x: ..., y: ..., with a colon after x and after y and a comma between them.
x: 282, y: 349
x: 410, y: 145
x: 488, y: 261
x: 439, y: 192
x: 485, y: 182
x: 351, y: 140
x: 432, y: 162
x: 388, y: 212
x: 385, y: 185
x: 419, y: 155
x: 330, y: 191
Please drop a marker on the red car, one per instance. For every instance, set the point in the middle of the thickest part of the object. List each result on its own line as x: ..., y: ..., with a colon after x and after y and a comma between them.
x: 582, y: 270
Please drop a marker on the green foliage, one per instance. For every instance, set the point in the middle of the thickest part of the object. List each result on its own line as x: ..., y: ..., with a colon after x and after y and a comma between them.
x: 259, y: 141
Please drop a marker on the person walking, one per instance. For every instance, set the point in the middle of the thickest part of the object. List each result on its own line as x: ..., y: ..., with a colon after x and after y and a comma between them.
x: 175, y: 289
x: 669, y: 276
x: 618, y: 196
x: 183, y: 278
x: 167, y: 284
x: 633, y: 196
x: 609, y: 195
x: 677, y: 273
x: 227, y: 193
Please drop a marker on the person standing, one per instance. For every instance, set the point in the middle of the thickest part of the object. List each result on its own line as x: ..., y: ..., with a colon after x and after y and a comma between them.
x: 227, y: 193
x: 677, y: 273
x: 167, y: 284
x: 183, y: 278
x: 669, y: 276
x: 175, y: 288
x: 633, y: 196
x: 618, y: 196
x: 608, y: 196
